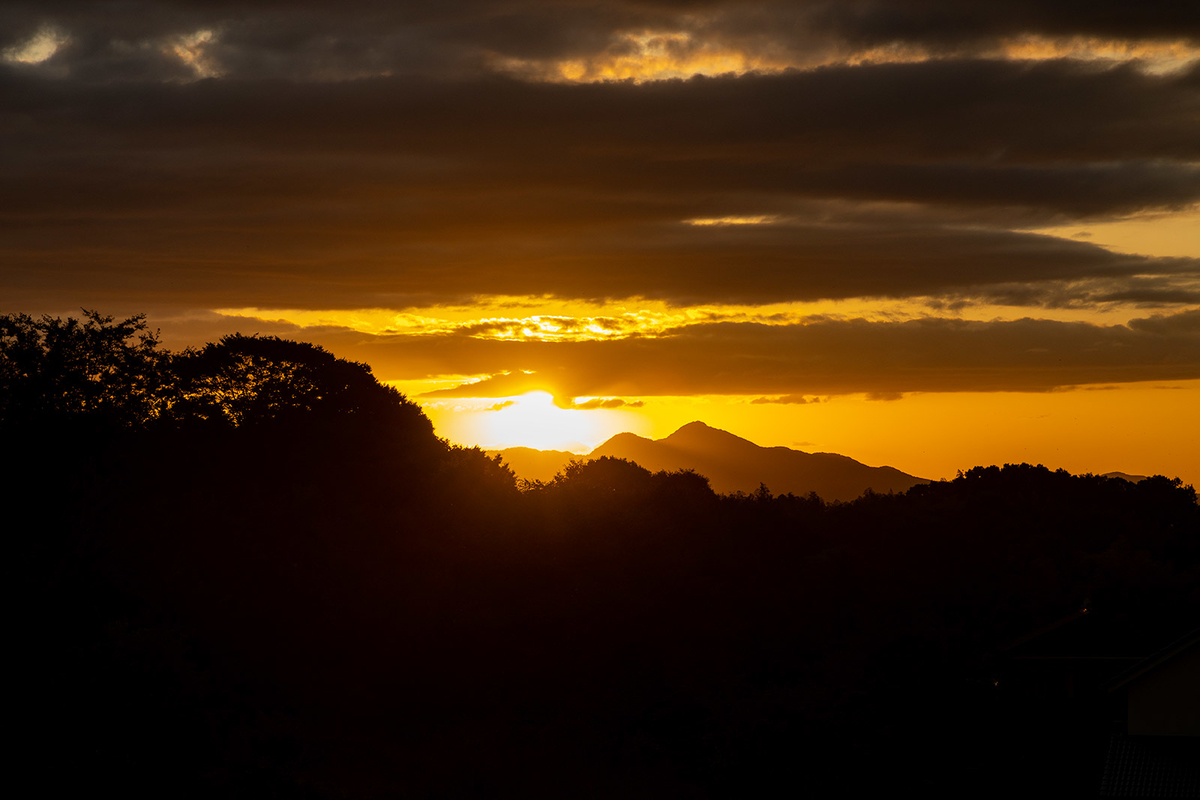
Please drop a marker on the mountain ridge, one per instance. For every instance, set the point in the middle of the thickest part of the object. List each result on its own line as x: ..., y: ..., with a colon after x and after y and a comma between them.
x: 730, y: 462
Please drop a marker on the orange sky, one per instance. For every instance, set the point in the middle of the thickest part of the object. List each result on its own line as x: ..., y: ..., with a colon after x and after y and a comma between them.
x: 927, y: 235
x: 1096, y: 429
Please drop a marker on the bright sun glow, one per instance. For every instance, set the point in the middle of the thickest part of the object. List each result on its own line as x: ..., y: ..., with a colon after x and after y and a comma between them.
x: 532, y: 420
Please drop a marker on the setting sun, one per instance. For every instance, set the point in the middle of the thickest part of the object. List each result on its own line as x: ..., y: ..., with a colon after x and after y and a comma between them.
x: 533, y: 420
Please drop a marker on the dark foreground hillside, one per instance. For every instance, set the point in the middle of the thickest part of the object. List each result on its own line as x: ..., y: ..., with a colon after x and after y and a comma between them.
x: 267, y: 577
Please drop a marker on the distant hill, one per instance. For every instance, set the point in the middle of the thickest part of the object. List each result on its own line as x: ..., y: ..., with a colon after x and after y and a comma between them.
x: 1124, y: 476
x: 730, y: 462
x: 535, y: 465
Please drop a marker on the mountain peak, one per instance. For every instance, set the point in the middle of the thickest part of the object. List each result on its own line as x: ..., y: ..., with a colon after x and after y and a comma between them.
x: 624, y: 438
x: 732, y: 463
x: 698, y: 433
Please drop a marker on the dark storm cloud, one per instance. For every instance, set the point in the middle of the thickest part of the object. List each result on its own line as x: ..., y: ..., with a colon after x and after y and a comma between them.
x: 989, y: 113
x: 826, y: 358
x: 946, y: 22
x: 890, y: 180
x: 263, y: 38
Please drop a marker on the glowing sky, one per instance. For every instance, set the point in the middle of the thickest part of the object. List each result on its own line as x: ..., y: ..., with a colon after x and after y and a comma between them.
x: 928, y: 234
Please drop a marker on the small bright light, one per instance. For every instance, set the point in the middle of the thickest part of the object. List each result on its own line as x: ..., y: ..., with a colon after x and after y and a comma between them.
x: 44, y: 44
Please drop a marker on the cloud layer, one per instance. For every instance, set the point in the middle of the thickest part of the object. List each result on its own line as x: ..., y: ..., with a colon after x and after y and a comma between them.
x: 186, y: 155
x: 181, y: 39
x: 820, y: 358
x: 890, y: 180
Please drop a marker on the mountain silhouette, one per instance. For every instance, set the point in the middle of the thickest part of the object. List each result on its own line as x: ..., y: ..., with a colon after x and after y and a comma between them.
x: 730, y: 462
x: 1125, y: 476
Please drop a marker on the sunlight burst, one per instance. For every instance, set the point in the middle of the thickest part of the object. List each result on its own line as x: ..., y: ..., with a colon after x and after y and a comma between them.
x: 533, y: 420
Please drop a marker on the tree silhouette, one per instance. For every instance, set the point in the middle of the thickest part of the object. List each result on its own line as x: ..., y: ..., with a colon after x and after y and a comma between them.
x: 324, y: 599
x: 603, y: 475
x: 110, y: 373
x: 254, y: 380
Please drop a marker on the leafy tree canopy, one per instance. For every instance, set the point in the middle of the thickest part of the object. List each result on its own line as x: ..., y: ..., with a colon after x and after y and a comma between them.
x: 115, y: 374
x: 112, y: 372
x: 245, y: 380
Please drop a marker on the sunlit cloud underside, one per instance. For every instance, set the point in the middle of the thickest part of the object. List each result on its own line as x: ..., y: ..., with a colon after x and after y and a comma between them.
x: 656, y: 55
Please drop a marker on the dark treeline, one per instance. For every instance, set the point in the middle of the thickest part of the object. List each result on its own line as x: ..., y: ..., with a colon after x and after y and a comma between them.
x: 250, y: 570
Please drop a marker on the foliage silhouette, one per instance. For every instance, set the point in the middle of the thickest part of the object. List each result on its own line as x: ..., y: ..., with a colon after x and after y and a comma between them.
x: 110, y: 372
x: 262, y: 573
x: 253, y: 380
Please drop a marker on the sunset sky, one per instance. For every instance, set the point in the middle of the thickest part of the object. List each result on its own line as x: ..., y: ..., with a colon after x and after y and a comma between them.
x: 930, y: 234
